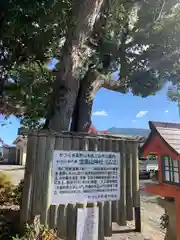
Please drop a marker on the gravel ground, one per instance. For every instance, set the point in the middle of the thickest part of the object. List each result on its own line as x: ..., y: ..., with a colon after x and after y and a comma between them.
x: 150, y: 211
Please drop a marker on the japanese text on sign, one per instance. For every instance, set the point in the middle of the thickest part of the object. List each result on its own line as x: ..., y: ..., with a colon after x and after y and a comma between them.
x: 85, y: 176
x: 87, y: 223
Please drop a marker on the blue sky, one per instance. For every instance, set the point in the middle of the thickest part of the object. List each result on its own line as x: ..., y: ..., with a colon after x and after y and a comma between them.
x: 112, y: 109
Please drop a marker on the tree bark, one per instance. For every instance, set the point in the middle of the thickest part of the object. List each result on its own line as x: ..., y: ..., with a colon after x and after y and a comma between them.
x: 66, y: 86
x: 90, y: 85
x: 81, y: 119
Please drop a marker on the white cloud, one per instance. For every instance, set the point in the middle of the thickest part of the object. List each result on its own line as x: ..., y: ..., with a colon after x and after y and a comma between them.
x: 101, y: 113
x: 133, y: 121
x: 166, y: 111
x: 141, y: 114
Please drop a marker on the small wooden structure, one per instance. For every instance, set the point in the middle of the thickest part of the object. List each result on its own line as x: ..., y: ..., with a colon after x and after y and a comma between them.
x: 37, y: 184
x: 164, y: 142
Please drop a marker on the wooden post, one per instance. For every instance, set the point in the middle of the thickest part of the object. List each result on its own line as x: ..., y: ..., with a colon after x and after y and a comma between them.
x: 38, y: 177
x: 107, y: 204
x: 135, y: 186
x: 46, y: 179
x: 115, y: 204
x: 61, y: 210
x: 101, y: 221
x: 53, y: 209
x: 101, y: 204
x: 71, y: 209
x: 129, y: 200
x: 122, y: 201
x: 26, y: 202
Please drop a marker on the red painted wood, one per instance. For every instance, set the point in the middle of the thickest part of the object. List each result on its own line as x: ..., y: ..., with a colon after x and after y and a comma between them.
x: 158, y: 146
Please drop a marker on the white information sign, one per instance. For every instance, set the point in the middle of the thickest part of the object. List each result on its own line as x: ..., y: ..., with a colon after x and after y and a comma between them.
x: 87, y: 223
x: 85, y: 176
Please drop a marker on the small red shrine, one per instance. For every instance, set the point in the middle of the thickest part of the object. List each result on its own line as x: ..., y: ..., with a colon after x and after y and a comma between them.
x: 93, y: 130
x: 164, y: 142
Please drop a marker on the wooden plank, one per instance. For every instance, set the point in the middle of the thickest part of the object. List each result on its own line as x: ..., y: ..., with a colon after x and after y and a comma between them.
x: 115, y: 204
x: 52, y: 216
x: 26, y: 203
x: 83, y: 146
x: 101, y: 146
x: 107, y: 204
x: 33, y: 158
x: 101, y: 221
x: 122, y: 201
x: 46, y: 180
x: 135, y: 188
x: 38, y: 177
x: 92, y: 145
x: 135, y: 176
x: 129, y: 197
x: 53, y: 209
x: 62, y: 217
x: 72, y: 208
x: 61, y: 221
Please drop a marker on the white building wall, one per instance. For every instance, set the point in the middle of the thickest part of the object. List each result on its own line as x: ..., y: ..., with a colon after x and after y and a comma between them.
x: 22, y: 146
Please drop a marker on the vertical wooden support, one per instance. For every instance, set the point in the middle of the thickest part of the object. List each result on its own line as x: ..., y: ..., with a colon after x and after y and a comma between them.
x: 46, y: 180
x: 93, y: 145
x: 101, y: 221
x: 26, y: 203
x: 122, y: 201
x: 115, y: 204
x: 135, y: 188
x: 101, y: 147
x: 61, y: 221
x: 71, y: 222
x: 62, y: 217
x: 52, y: 216
x: 71, y: 208
x: 38, y: 177
x: 107, y: 204
x: 129, y: 199
x: 53, y: 209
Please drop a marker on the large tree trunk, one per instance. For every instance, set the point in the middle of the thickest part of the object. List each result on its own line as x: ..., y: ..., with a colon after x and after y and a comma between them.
x: 89, y: 86
x: 74, y: 52
x: 81, y: 119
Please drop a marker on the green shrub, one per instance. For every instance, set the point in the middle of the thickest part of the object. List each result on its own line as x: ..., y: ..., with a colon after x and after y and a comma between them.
x: 5, y: 180
x: 17, y: 193
x: 36, y: 231
x: 6, y: 188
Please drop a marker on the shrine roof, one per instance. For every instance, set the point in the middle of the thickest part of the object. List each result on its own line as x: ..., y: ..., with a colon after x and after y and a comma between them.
x: 170, y: 132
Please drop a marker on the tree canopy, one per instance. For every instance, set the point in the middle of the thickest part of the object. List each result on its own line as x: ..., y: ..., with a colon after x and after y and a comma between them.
x: 139, y: 40
x: 30, y: 31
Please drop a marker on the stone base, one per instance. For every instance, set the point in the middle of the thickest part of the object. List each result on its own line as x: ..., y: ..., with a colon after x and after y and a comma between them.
x: 170, y: 208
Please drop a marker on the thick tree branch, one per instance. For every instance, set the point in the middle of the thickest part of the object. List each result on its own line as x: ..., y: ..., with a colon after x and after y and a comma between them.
x: 113, y: 85
x: 105, y: 81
